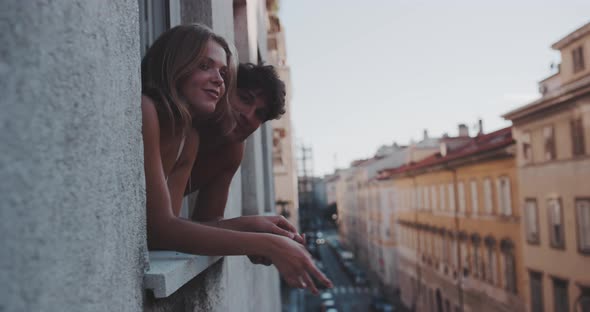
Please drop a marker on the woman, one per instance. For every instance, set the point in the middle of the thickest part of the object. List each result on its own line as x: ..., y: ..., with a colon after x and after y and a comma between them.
x: 186, y: 75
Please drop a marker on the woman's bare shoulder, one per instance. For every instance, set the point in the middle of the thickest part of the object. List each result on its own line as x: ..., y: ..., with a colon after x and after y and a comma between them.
x: 149, y: 114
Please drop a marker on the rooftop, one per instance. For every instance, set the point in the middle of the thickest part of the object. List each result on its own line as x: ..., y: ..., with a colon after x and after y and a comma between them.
x: 479, y: 144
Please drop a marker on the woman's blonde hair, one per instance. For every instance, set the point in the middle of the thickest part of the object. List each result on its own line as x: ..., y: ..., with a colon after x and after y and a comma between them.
x: 173, y: 57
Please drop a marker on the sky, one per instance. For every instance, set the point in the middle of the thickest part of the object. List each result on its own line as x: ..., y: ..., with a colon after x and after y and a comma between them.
x: 373, y: 72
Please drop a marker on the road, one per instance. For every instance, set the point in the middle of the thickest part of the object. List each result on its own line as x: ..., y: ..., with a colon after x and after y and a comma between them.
x: 348, y: 296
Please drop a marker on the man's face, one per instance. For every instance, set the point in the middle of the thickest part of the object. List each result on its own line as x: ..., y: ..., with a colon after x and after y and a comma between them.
x: 251, y: 111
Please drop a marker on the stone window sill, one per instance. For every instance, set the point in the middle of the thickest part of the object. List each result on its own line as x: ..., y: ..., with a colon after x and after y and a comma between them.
x: 170, y: 270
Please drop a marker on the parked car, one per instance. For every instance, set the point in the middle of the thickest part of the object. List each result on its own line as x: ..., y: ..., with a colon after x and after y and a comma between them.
x: 379, y: 304
x: 327, y: 304
x: 326, y: 296
x: 360, y: 279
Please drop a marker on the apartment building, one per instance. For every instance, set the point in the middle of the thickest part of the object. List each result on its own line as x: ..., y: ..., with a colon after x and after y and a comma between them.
x: 553, y: 161
x: 458, y: 233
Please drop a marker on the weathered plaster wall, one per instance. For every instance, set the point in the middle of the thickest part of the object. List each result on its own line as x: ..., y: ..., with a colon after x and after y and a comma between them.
x: 72, y: 225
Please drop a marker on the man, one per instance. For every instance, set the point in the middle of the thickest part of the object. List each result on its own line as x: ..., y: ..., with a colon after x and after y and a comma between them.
x: 260, y: 96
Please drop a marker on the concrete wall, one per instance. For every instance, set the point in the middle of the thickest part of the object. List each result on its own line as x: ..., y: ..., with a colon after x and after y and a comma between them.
x: 72, y: 218
x: 72, y: 186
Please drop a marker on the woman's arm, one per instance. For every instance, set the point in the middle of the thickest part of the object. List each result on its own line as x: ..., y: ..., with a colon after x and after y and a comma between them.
x: 166, y: 231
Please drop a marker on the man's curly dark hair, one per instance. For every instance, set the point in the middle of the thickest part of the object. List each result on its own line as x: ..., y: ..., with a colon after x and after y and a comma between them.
x: 266, y: 79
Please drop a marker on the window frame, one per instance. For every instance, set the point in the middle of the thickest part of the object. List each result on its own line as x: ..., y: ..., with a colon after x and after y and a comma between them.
x: 443, y: 199
x: 462, y: 207
x: 536, y: 241
x: 434, y: 203
x: 510, y: 278
x: 492, y: 267
x: 534, y: 276
x: 488, y: 194
x: 502, y: 196
x: 426, y: 193
x: 552, y: 243
x: 554, y: 282
x: 526, y: 147
x: 473, y: 192
x: 577, y: 137
x: 550, y: 152
x: 578, y: 226
x: 451, y: 193
x: 578, y: 59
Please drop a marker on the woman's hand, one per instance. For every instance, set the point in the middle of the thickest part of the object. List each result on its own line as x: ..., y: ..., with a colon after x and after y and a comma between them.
x: 294, y: 263
x: 278, y: 225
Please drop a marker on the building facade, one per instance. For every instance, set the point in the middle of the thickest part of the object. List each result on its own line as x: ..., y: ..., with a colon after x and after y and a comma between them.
x: 457, y: 230
x: 72, y: 182
x: 553, y: 159
x: 284, y: 162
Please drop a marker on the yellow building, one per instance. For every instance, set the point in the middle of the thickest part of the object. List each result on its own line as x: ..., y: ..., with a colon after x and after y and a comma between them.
x: 553, y: 135
x: 283, y: 159
x: 458, y: 235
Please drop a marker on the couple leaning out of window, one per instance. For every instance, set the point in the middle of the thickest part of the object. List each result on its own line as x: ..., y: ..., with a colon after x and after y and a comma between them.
x: 194, y: 126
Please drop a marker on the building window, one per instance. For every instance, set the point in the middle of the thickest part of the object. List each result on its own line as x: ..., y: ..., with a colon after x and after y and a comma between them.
x: 577, y: 132
x: 536, y: 284
x: 445, y: 250
x: 474, y: 201
x: 433, y: 195
x: 531, y: 221
x: 451, y: 192
x: 476, y: 260
x: 465, y: 257
x: 426, y: 198
x: 443, y: 203
x: 549, y: 136
x: 455, y: 251
x: 584, y: 301
x: 555, y: 214
x: 504, y: 196
x: 461, y: 193
x: 492, y: 268
x: 578, y: 58
x: 487, y: 194
x: 419, y: 198
x: 509, y: 271
x: 527, y: 151
x: 583, y: 218
x: 560, y: 297
x: 154, y: 19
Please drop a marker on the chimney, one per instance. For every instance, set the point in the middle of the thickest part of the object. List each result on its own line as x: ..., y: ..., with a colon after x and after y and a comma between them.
x: 425, y: 134
x: 480, y: 125
x: 463, y: 131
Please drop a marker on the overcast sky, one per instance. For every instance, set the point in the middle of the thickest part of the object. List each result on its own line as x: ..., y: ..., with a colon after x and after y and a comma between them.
x: 368, y: 73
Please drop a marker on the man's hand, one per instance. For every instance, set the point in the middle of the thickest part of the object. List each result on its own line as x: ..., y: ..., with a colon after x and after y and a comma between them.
x: 277, y: 225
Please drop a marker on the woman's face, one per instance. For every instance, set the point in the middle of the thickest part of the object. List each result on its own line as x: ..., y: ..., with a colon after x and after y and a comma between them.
x: 205, y: 86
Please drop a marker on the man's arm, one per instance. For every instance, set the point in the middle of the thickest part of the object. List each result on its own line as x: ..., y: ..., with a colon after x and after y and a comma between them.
x: 213, y: 194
